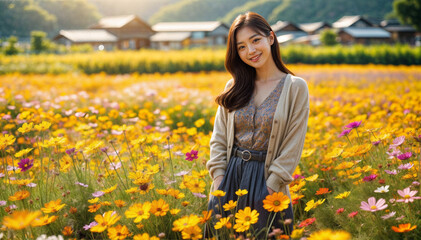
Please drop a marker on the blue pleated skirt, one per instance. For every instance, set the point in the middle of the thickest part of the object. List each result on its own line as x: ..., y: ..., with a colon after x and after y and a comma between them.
x: 249, y: 175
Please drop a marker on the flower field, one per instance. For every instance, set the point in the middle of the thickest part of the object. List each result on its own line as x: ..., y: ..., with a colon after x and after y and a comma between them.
x: 123, y: 156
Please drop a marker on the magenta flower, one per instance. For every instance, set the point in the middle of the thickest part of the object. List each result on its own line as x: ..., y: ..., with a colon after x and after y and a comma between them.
x: 369, y: 178
x: 408, y: 195
x: 372, y: 205
x: 190, y: 156
x: 70, y: 151
x: 345, y: 132
x: 353, y: 125
x: 25, y: 164
x: 353, y: 214
x: 404, y: 156
x: 375, y: 143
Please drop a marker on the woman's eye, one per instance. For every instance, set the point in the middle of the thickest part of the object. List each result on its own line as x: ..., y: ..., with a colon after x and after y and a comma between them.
x: 256, y: 40
x: 241, y: 48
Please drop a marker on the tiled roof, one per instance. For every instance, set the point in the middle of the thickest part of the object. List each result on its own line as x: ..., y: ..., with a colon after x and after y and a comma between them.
x: 369, y: 32
x: 114, y: 22
x: 310, y: 27
x: 347, y: 21
x: 88, y: 35
x: 170, y: 36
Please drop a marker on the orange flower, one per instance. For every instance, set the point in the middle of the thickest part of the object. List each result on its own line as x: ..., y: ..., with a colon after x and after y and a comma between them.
x: 20, y: 219
x: 276, y: 202
x: 322, y: 191
x: 94, y: 208
x: 67, y: 231
x: 42, y: 221
x: 406, y: 227
x: 20, y: 195
x: 53, y: 206
x: 159, y: 208
x: 206, y: 216
x: 118, y: 232
x: 120, y: 203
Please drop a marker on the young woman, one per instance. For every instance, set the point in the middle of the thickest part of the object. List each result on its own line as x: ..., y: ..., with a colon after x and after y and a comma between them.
x: 260, y: 124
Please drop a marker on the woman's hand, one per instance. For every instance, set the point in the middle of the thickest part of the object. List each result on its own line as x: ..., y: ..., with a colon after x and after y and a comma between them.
x: 270, y: 190
x: 216, y: 182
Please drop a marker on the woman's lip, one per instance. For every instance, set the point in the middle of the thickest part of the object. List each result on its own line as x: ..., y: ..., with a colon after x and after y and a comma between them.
x: 255, y: 58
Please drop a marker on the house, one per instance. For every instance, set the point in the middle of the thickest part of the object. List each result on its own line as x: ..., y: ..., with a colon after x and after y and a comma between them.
x: 314, y: 28
x: 131, y: 31
x: 363, y: 35
x: 352, y: 21
x: 286, y: 31
x: 98, y: 38
x: 177, y: 35
x: 359, y: 30
x: 399, y: 33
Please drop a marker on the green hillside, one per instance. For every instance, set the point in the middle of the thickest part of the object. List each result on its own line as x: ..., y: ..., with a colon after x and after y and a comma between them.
x: 299, y: 11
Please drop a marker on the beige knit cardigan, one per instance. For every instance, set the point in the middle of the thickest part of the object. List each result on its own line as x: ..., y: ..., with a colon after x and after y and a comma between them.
x: 286, y: 141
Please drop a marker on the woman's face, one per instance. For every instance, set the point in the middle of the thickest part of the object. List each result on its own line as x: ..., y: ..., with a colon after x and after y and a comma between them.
x: 254, y: 48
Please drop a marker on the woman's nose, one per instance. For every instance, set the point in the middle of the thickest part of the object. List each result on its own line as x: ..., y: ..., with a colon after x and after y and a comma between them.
x: 252, y: 49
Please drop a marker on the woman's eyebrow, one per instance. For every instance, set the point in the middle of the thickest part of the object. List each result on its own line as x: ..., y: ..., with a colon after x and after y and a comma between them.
x: 250, y: 37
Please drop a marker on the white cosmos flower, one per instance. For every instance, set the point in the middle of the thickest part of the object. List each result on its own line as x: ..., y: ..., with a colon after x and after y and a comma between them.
x: 382, y: 189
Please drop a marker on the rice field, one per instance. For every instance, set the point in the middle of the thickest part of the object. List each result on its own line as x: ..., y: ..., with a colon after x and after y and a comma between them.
x: 123, y: 156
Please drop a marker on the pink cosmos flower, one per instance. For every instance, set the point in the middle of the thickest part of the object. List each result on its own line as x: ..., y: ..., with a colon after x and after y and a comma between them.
x: 393, y: 172
x: 397, y: 142
x: 389, y: 215
x: 405, y: 166
x: 25, y: 164
x: 405, y: 156
x: 190, y: 156
x: 372, y: 205
x: 353, y: 125
x: 340, y: 210
x: 408, y: 195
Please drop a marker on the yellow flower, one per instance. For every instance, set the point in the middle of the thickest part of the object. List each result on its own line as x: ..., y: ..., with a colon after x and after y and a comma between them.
x: 223, y: 222
x: 23, y: 152
x: 160, y: 207
x: 297, y: 233
x: 193, y: 232
x: 20, y: 219
x: 118, y: 232
x: 230, y: 205
x: 198, y: 123
x: 93, y: 200
x: 246, y: 217
x: 328, y: 234
x: 344, y: 165
x: 93, y: 208
x: 139, y: 211
x: 175, y: 211
x: 26, y: 127
x: 336, y: 152
x: 343, y: 195
x: 218, y: 193
x: 144, y: 236
x: 307, y: 152
x: 20, y: 195
x: 53, y: 206
x: 108, y: 190
x: 312, y: 178
x: 43, y: 126
x: 6, y: 140
x: 241, y: 227
x: 311, y: 204
x: 196, y: 185
x: 276, y: 202
x: 104, y: 221
x: 44, y: 220
x: 185, y: 222
x: 240, y: 192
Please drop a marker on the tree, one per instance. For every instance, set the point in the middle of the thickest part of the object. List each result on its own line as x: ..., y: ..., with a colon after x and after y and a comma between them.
x: 11, y: 49
x: 328, y: 37
x: 408, y: 12
x: 38, y: 41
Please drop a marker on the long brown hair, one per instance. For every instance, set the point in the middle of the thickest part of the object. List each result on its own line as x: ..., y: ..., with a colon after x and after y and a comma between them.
x: 240, y: 92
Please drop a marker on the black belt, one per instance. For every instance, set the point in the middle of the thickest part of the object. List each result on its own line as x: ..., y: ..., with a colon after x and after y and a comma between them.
x: 246, y: 155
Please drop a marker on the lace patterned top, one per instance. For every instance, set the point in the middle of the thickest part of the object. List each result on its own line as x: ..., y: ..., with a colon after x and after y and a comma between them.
x: 253, y: 125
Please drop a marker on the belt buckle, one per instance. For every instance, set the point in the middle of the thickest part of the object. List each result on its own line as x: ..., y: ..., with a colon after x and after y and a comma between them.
x: 243, y: 153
